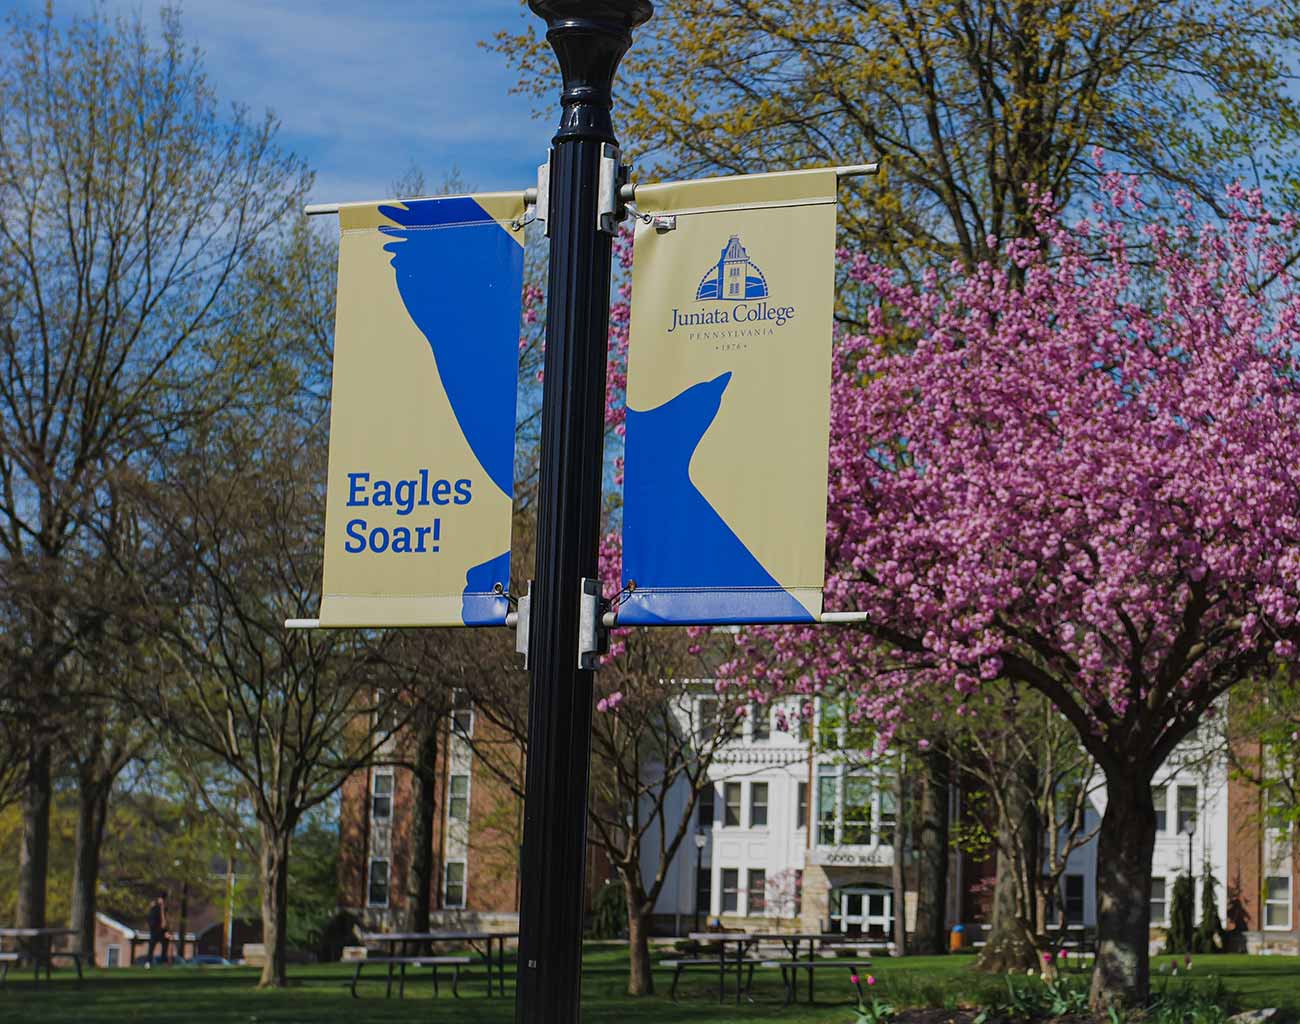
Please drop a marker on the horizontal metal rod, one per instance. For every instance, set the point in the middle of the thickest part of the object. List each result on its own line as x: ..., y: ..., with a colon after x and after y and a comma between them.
x: 843, y: 617
x: 609, y: 620
x: 316, y: 209
x: 627, y: 193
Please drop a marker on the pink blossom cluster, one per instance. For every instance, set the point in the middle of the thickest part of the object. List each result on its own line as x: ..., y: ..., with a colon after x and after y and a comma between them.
x: 1083, y: 472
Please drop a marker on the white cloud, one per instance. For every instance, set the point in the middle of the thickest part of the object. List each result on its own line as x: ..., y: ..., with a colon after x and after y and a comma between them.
x: 362, y: 91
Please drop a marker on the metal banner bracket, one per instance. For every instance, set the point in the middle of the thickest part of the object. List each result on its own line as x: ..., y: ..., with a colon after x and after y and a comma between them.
x: 613, y: 176
x: 522, y: 617
x: 593, y: 637
x: 542, y: 210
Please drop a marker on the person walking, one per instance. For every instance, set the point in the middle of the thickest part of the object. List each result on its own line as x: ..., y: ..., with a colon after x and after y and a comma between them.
x: 157, y: 929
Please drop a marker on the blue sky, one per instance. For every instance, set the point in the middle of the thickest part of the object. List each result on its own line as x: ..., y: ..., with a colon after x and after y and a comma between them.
x: 365, y: 90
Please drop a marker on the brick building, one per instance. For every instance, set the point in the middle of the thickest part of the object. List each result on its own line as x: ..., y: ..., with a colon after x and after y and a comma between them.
x: 1260, y: 901
x: 476, y: 831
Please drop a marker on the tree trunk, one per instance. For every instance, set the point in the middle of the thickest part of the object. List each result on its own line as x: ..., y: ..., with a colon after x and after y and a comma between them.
x: 932, y: 856
x: 1124, y: 847
x: 897, y: 871
x: 640, y: 982
x: 34, y: 853
x: 92, y: 813
x: 275, y: 907
x: 419, y: 875
x: 1010, y: 944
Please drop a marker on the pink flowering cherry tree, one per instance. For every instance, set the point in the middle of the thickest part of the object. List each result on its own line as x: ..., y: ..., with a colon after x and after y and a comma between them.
x: 1084, y: 477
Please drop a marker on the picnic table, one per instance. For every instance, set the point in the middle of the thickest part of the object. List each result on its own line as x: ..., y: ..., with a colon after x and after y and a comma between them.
x: 741, y: 940
x: 794, y: 943
x: 36, y: 945
x: 401, y: 945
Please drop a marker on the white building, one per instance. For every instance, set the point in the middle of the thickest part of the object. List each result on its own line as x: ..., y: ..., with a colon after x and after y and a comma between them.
x: 792, y: 835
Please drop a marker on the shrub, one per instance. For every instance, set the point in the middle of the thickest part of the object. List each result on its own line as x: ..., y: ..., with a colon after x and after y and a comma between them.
x: 609, y: 912
x: 1207, y: 938
x: 1181, y: 908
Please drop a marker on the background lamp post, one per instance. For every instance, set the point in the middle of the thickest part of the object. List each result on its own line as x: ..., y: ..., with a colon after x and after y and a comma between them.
x: 1189, y: 830
x: 589, y: 38
x: 700, y: 840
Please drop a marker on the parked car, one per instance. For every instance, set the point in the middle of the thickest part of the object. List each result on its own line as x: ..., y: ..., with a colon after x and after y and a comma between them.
x: 207, y: 960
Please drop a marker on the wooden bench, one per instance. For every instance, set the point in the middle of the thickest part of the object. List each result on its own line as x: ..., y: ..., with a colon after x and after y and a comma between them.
x: 719, y: 965
x: 7, y: 960
x: 789, y: 977
x: 402, y: 962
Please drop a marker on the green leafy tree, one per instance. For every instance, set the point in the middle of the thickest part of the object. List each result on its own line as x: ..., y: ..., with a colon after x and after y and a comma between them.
x: 1209, y: 932
x: 130, y: 200
x: 967, y: 101
x: 1182, y: 911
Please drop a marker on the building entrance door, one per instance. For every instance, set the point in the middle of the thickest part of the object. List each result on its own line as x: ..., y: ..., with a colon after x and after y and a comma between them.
x: 865, y: 910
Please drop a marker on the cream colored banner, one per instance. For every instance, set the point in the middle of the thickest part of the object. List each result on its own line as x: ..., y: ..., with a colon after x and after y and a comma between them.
x: 728, y: 397
x: 418, y: 516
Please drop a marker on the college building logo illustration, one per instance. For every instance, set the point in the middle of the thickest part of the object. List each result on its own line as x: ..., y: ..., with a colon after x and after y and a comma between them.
x: 734, y: 277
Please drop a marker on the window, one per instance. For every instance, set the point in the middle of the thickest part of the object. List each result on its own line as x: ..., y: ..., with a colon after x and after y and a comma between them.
x: 801, y: 806
x: 731, y: 812
x: 1159, y: 903
x: 458, y: 797
x: 758, y: 805
x: 1073, y: 899
x: 706, y: 807
x: 114, y: 956
x: 1277, y: 902
x: 760, y: 728
x: 704, y: 890
x: 462, y: 713
x: 757, y: 891
x: 830, y: 720
x: 888, y: 814
x: 378, y: 895
x: 1160, y: 797
x: 827, y: 788
x: 708, y: 719
x: 453, y: 889
x: 385, y: 713
x: 798, y: 892
x: 381, y: 796
x: 857, y: 810
x: 730, y: 890
x: 1186, y: 809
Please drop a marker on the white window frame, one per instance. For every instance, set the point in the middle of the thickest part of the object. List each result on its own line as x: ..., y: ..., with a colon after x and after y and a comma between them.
x: 767, y: 806
x: 760, y: 714
x: 1283, y: 902
x: 878, y: 780
x: 450, y: 796
x: 464, y: 884
x: 723, y: 890
x: 750, y: 909
x: 370, y: 882
x: 375, y: 776
x: 1163, y: 920
x: 458, y: 713
x: 740, y: 805
x: 1164, y: 792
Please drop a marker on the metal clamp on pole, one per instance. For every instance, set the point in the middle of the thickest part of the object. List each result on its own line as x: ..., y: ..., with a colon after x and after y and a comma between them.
x: 542, y: 210
x: 593, y: 637
x: 613, y: 176
x: 522, y: 620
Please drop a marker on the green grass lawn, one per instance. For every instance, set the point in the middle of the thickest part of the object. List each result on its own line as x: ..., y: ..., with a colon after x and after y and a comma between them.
x: 319, y: 994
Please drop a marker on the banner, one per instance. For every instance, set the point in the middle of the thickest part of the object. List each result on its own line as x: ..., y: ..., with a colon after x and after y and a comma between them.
x: 422, y: 428
x: 728, y: 400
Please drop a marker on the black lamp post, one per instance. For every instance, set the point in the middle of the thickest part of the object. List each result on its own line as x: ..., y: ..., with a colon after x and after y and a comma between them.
x: 589, y: 38
x: 700, y: 840
x: 1189, y: 828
